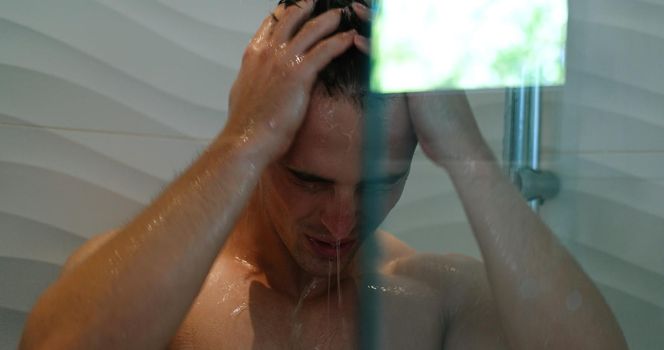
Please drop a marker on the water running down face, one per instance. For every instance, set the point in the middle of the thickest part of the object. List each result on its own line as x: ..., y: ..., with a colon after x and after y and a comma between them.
x: 312, y: 195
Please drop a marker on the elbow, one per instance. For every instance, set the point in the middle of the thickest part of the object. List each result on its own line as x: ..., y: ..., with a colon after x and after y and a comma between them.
x: 35, y: 341
x: 35, y: 337
x: 44, y: 330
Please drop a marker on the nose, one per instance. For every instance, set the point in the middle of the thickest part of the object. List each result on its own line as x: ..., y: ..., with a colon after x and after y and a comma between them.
x: 340, y: 213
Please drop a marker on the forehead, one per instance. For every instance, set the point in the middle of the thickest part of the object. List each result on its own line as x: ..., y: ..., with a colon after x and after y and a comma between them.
x: 331, y: 136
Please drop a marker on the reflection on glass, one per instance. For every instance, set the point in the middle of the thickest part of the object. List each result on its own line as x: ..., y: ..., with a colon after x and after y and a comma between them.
x: 468, y: 44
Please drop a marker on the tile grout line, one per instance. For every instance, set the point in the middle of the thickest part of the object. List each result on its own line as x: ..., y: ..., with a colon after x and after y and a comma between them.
x: 190, y: 138
x: 602, y: 152
x: 123, y: 133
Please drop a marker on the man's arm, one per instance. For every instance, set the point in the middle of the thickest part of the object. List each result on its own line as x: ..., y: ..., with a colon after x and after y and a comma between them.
x: 543, y: 299
x: 134, y: 289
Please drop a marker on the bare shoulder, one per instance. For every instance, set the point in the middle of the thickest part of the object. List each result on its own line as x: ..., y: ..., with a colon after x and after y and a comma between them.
x: 456, y: 278
x: 85, y: 250
x: 438, y: 270
x: 393, y: 248
x: 453, y: 276
x: 467, y: 307
x: 401, y: 259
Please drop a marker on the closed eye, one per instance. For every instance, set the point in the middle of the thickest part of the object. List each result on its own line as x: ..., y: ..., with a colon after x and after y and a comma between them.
x: 308, y: 181
x: 311, y: 181
x: 308, y: 177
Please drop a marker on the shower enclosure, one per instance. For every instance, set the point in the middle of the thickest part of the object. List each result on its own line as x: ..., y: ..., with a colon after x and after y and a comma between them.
x: 92, y: 128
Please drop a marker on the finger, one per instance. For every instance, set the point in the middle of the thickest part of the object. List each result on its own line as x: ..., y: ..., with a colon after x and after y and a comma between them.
x: 363, y: 12
x: 290, y: 19
x: 263, y: 31
x: 315, y: 30
x: 326, y: 50
x: 362, y: 43
x: 281, y: 8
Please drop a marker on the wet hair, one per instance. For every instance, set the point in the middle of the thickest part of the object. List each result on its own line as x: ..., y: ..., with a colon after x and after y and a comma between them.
x: 348, y: 74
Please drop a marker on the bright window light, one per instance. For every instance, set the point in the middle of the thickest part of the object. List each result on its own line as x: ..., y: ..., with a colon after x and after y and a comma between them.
x: 424, y: 45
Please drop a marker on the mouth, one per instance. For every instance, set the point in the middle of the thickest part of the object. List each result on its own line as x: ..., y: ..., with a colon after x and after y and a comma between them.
x: 330, y: 249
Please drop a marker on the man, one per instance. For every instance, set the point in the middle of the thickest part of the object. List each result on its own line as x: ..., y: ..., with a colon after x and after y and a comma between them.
x: 256, y: 244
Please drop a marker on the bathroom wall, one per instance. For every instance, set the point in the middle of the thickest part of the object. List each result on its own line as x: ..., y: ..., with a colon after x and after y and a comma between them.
x: 103, y: 102
x: 608, y: 146
x: 603, y: 134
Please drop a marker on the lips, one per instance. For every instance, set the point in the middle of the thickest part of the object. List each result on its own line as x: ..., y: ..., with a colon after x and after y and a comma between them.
x: 328, y: 249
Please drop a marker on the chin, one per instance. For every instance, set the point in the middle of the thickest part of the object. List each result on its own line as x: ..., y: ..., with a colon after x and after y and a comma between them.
x: 323, y: 267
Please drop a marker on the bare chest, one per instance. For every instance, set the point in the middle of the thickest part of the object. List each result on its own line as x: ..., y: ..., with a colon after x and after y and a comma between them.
x: 247, y: 315
x: 253, y: 316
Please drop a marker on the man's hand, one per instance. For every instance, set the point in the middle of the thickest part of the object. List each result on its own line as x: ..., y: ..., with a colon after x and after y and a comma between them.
x: 270, y: 97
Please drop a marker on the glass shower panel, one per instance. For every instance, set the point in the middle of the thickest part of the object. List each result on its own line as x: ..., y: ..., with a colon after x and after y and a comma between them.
x: 603, y: 135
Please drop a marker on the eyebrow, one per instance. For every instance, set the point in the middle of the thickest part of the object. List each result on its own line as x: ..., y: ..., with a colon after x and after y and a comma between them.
x: 388, y: 179
x: 306, y: 176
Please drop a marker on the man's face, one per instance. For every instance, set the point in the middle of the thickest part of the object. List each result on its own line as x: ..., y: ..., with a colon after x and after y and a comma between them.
x: 312, y: 195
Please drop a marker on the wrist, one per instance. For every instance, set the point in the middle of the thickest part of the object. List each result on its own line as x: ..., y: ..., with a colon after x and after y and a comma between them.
x: 462, y: 152
x: 477, y: 165
x: 255, y: 142
x: 229, y: 146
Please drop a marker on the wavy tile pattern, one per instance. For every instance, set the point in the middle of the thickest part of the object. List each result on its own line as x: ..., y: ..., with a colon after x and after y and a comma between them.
x: 103, y: 102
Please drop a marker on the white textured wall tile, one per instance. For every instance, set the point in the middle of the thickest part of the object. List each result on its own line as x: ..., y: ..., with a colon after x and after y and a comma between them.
x: 69, y: 153
x: 40, y: 73
x: 128, y: 46
x: 103, y: 102
x: 242, y: 16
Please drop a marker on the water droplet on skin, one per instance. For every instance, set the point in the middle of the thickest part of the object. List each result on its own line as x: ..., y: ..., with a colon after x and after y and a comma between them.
x: 499, y: 242
x: 470, y: 167
x: 227, y: 290
x: 246, y: 264
x: 329, y: 285
x: 134, y: 244
x: 305, y: 293
x: 297, y: 326
x: 350, y: 134
x: 238, y: 310
x: 296, y: 61
x: 213, y: 277
x: 247, y: 132
x: 295, y: 336
x: 574, y: 301
x: 392, y: 290
x: 328, y: 116
x: 339, y: 298
x: 196, y: 185
x: 154, y: 223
